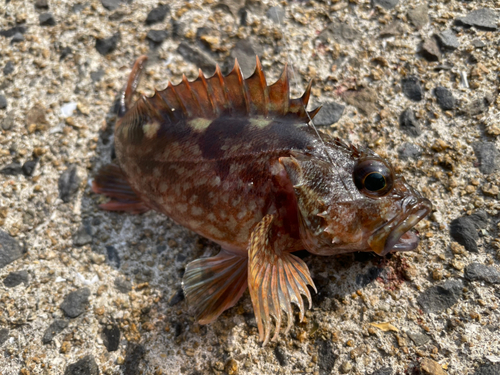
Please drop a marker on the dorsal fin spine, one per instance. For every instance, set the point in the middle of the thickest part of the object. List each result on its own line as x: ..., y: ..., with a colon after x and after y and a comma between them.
x: 243, y: 85
x: 214, y: 109
x: 177, y: 97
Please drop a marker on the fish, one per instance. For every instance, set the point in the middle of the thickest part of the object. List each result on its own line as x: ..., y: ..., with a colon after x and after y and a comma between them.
x: 240, y: 162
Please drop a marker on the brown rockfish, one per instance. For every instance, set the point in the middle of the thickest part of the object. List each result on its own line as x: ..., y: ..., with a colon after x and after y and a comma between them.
x: 239, y: 162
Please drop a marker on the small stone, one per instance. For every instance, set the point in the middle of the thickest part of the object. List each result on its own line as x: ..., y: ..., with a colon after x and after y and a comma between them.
x: 329, y: 114
x: 245, y: 52
x: 82, y: 237
x: 392, y: 29
x: 464, y: 231
x: 364, y: 279
x: 346, y: 367
x: 29, y: 167
x: 339, y: 32
x: 157, y: 14
x: 65, y: 52
x: 430, y: 367
x: 111, y: 4
x: 478, y: 106
x: 111, y: 337
x: 419, y: 16
x: 409, y: 123
x: 440, y: 297
x: 364, y: 99
x: 46, y: 19
x: 194, y: 55
x: 280, y: 355
x: 419, y: 339
x: 386, y: 4
x: 8, y: 68
x: 478, y: 43
x: 478, y: 271
x: 430, y: 50
x: 97, y: 75
x: 9, y: 33
x: 447, y: 40
x: 412, y: 89
x: 42, y: 4
x: 36, y: 115
x: 481, y: 18
x: 123, y: 285
x: 113, y: 256
x: 13, y: 279
x: 4, y: 335
x: 76, y: 302
x: 157, y: 36
x: 10, y: 249
x: 445, y: 98
x: 107, y: 45
x: 276, y: 14
x: 487, y: 156
x: 326, y: 357
x: 490, y: 369
x: 3, y: 102
x: 383, y: 371
x: 85, y: 366
x: 176, y: 298
x: 69, y: 182
x: 8, y: 121
x: 17, y: 38
x: 12, y: 169
x: 409, y: 151
x: 56, y: 327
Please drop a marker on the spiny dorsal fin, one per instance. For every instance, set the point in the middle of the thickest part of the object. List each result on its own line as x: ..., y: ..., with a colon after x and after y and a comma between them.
x: 232, y: 95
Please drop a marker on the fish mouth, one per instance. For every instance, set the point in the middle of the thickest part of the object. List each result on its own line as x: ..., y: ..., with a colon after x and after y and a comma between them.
x: 399, y: 235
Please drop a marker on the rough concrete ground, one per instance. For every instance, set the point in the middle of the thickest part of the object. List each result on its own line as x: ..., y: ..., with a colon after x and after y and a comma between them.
x: 85, y: 291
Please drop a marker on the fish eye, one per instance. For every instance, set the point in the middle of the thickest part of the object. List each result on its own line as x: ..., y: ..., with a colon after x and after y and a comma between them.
x: 373, y: 178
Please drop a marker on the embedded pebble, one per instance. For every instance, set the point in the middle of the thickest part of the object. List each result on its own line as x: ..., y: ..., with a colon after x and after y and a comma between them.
x: 111, y: 337
x: 12, y: 169
x: 329, y: 114
x: 157, y: 36
x: 478, y: 271
x: 65, y: 52
x: 69, y: 182
x: 47, y: 19
x: 13, y: 279
x: 412, y: 89
x: 196, y: 56
x: 280, y: 355
x: 9, y: 33
x: 440, y: 297
x: 445, y: 98
x: 4, y: 335
x: 489, y: 369
x: 339, y: 32
x: 409, y: 123
x: 76, y: 302
x: 10, y: 249
x: 430, y: 367
x: 387, y: 4
x: 17, y: 38
x: 430, y: 50
x: 245, y: 52
x: 478, y: 106
x: 82, y: 236
x: 3, y: 102
x: 464, y: 230
x: 365, y: 100
x: 157, y: 14
x: 113, y: 256
x: 478, y: 43
x: 419, y: 16
x: 111, y: 4
x: 276, y: 14
x: 409, y: 151
x: 481, y: 18
x: 419, y: 339
x: 123, y: 285
x: 56, y: 327
x: 42, y: 4
x: 326, y: 357
x: 29, y: 166
x: 176, y: 298
x: 487, y: 156
x: 448, y: 40
x: 107, y: 45
x: 85, y: 366
x: 8, y: 68
x: 97, y: 75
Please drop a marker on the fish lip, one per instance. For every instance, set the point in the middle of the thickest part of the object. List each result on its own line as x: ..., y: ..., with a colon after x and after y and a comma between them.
x: 395, y: 240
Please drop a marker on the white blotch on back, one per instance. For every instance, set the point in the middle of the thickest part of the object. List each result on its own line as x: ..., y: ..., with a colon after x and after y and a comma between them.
x: 150, y: 129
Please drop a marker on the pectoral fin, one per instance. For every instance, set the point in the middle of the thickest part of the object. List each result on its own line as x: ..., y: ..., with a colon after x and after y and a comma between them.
x: 275, y: 280
x: 212, y: 285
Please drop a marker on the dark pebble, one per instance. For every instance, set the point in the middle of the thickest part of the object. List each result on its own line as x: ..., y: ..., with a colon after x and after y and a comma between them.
x: 464, y: 229
x: 430, y: 50
x: 107, y: 45
x: 447, y: 40
x: 69, y: 182
x: 113, y: 256
x: 445, y: 98
x: 490, y: 369
x: 197, y: 57
x: 12, y: 169
x: 412, y: 89
x: 387, y: 4
x: 82, y: 237
x: 419, y: 339
x: 133, y: 359
x: 13, y: 279
x: 339, y: 32
x: 111, y: 337
x: 478, y: 271
x: 111, y: 4
x: 56, y: 327
x: 9, y: 33
x: 8, y: 122
x: 326, y: 357
x: 46, y: 19
x: 29, y: 167
x: 479, y: 106
x: 276, y: 14
x: 365, y: 279
x: 364, y: 99
x: 478, y: 43
x: 10, y: 249
x: 485, y: 19
x: 8, y: 68
x: 3, y: 102
x: 441, y: 297
x: 383, y: 371
x: 123, y: 285
x: 419, y: 16
x: 65, y: 52
x: 245, y: 52
x: 76, y: 302
x: 409, y: 123
x: 280, y: 355
x: 392, y: 29
x: 85, y: 366
x: 487, y: 156
x: 4, y: 335
x: 17, y: 38
x: 157, y: 36
x: 97, y: 75
x: 177, y: 297
x: 409, y: 151
x: 42, y: 4
x: 329, y: 114
x: 157, y: 14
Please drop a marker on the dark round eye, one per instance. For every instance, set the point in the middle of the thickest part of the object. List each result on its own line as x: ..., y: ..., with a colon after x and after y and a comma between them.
x: 373, y: 178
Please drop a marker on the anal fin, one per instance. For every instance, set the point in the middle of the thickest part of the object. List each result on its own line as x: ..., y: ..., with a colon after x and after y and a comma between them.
x: 275, y: 279
x: 212, y: 285
x: 111, y: 182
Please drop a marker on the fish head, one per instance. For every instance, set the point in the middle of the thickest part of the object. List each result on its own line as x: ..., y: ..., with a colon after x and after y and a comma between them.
x: 354, y: 202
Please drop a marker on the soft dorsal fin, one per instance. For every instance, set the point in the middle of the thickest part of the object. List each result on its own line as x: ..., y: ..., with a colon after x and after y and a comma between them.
x: 231, y: 95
